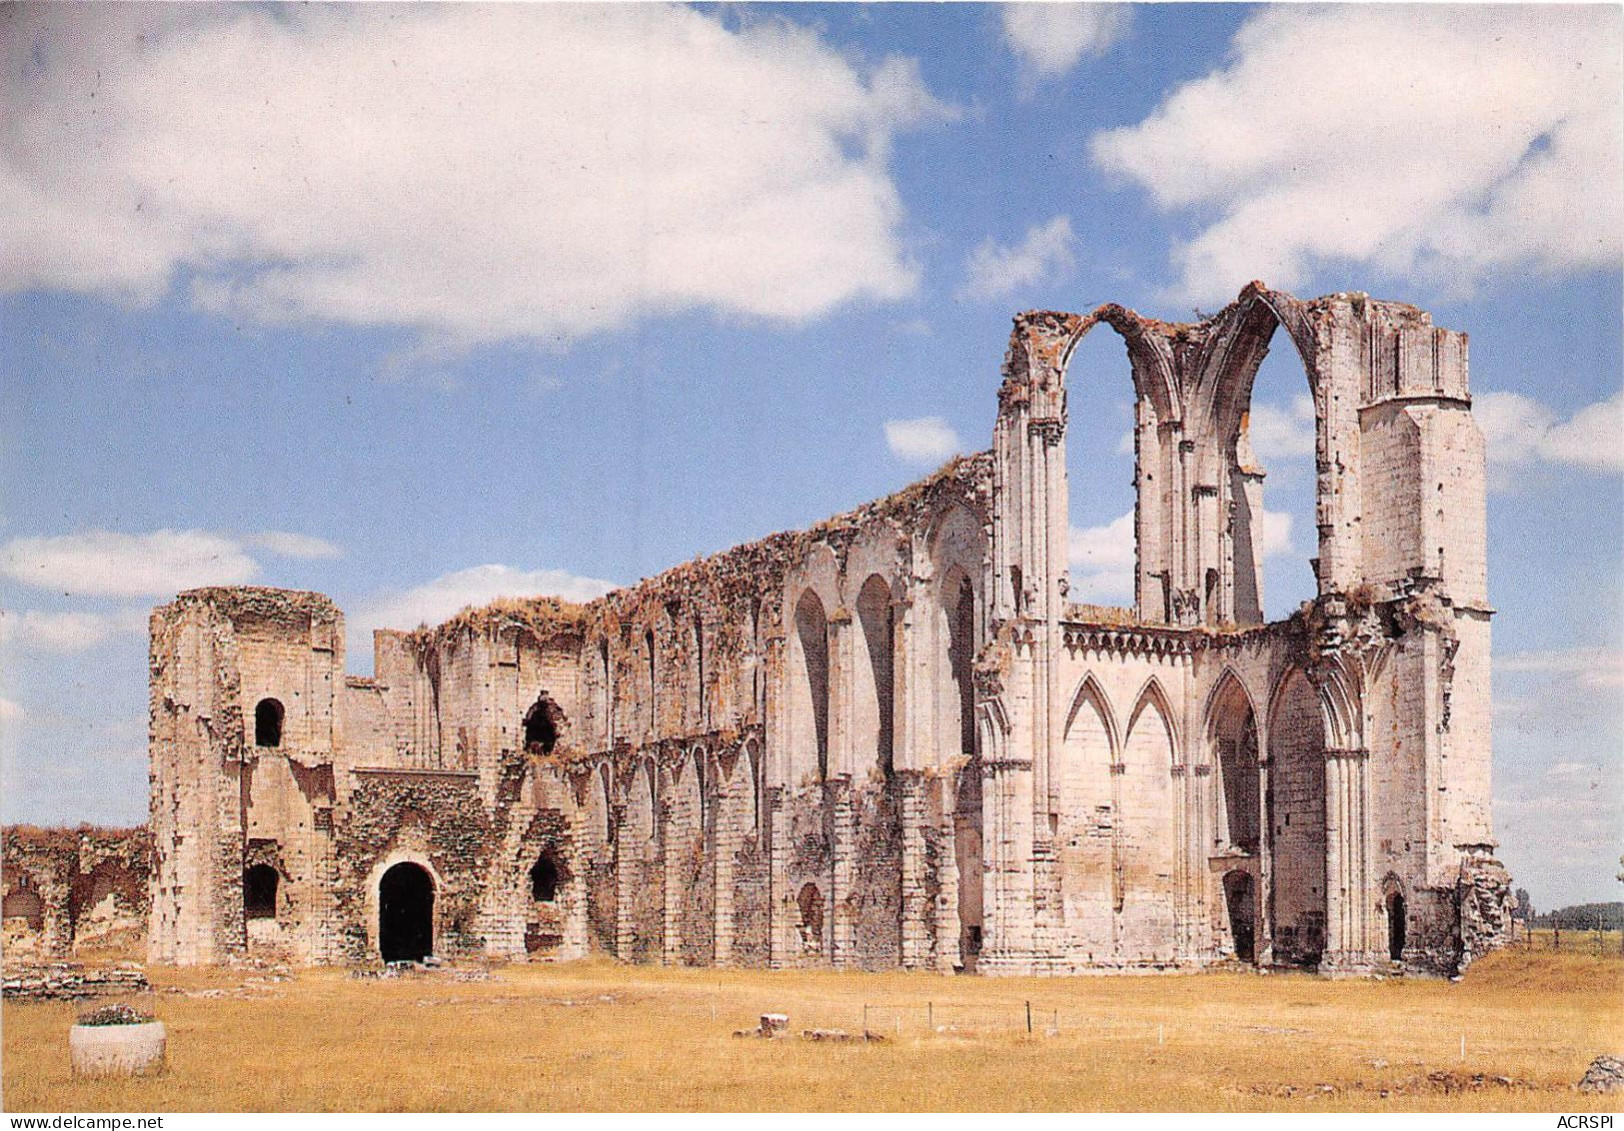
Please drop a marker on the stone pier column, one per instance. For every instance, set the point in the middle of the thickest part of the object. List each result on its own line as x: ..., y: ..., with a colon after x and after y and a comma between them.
x: 1265, y: 885
x: 624, y: 934
x: 56, y: 932
x: 1007, y: 850
x: 843, y: 871
x: 577, y: 922
x: 1348, y: 898
x: 916, y: 902
x: 941, y: 804
x: 1202, y: 792
x: 671, y: 881
x: 782, y: 941
x: 1186, y: 866
x: 1046, y: 898
x: 724, y: 848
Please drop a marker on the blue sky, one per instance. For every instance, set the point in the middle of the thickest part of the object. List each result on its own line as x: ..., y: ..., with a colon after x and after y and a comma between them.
x: 420, y: 306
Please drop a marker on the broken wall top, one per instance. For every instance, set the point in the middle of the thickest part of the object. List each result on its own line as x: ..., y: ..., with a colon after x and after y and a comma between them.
x: 727, y: 580
x: 1402, y: 353
x: 258, y: 602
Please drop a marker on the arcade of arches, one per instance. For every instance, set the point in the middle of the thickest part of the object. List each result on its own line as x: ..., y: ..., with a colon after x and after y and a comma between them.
x: 896, y: 740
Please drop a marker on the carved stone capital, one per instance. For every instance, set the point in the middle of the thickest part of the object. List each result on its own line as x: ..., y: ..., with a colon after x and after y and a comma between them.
x: 1050, y: 430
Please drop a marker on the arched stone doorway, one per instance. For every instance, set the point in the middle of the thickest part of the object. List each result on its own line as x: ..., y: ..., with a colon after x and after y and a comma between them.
x: 1240, y: 898
x: 406, y: 914
x: 1397, y: 927
x: 268, y: 723
x: 544, y: 880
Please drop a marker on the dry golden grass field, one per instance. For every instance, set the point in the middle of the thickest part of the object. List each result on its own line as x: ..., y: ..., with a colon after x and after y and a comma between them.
x: 597, y: 1036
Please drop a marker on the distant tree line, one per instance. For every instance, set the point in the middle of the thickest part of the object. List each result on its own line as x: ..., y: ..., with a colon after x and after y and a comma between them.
x: 1583, y: 917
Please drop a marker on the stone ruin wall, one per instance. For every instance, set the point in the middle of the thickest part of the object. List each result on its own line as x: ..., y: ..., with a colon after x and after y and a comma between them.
x: 892, y: 740
x: 74, y: 892
x: 658, y: 808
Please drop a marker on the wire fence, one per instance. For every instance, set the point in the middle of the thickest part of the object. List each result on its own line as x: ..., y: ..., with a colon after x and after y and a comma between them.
x: 893, y: 1020
x: 1570, y: 940
x: 1034, y: 1020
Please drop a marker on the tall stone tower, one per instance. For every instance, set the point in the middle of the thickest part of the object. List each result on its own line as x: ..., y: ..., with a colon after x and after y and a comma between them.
x: 243, y: 728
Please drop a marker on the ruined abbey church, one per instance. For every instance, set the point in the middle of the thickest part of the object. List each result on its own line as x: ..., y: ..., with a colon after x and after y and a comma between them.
x: 893, y: 740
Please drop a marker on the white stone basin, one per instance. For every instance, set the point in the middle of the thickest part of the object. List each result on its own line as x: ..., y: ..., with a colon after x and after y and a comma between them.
x: 118, y: 1050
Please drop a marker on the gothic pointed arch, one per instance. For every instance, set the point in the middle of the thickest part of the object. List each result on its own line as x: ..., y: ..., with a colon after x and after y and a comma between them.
x: 642, y: 808
x: 1089, y: 693
x: 1152, y: 694
x: 1230, y: 742
x: 1150, y: 355
x: 874, y: 707
x: 1238, y: 339
x: 1082, y: 813
x: 1295, y: 810
x: 993, y: 722
x: 1148, y: 838
x: 958, y: 642
x: 1228, y: 686
x: 1042, y: 342
x: 809, y: 688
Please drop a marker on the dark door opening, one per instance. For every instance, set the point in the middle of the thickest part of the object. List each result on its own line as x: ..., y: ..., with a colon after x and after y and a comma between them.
x: 1395, y: 927
x: 259, y: 885
x: 1242, y: 903
x: 268, y: 723
x: 405, y: 914
x: 544, y: 881
x: 810, y: 902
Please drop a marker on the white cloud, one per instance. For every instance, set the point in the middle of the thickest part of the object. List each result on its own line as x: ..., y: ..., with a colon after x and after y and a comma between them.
x: 993, y: 270
x: 927, y: 440
x: 1103, y: 558
x: 288, y: 545
x: 103, y: 563
x: 471, y: 173
x: 1282, y: 433
x: 1593, y: 437
x: 448, y: 594
x: 1051, y: 38
x: 1593, y: 667
x: 1560, y: 833
x: 1102, y: 562
x: 69, y: 631
x: 1437, y: 140
x: 1276, y: 540
x: 1513, y: 426
x: 912, y: 328
x: 11, y: 711
x: 1519, y: 430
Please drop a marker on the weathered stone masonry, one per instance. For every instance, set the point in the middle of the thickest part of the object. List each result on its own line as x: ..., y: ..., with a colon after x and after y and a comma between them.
x: 73, y: 890
x: 891, y: 740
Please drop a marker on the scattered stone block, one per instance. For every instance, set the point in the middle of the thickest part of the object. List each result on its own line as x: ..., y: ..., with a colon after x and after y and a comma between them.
x: 1605, y: 1075
x: 69, y: 981
x: 826, y: 1035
